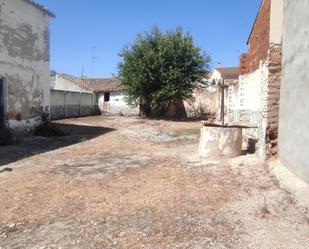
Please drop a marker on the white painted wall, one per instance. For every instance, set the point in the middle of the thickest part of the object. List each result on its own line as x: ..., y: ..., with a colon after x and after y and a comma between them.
x: 117, y: 105
x: 24, y: 60
x: 294, y: 103
x: 216, y: 76
x: 250, y: 89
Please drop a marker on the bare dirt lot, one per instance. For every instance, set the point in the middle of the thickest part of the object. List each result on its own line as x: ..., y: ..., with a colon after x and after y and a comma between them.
x: 120, y: 182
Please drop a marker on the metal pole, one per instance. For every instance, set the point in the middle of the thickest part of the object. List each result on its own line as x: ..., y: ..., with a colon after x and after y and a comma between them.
x: 222, y: 102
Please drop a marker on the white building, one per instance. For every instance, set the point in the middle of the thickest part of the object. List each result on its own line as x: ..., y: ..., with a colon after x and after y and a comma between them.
x: 229, y: 77
x: 24, y: 58
x: 109, y: 94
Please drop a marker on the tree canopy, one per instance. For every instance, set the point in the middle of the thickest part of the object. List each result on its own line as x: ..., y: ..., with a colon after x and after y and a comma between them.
x: 160, y: 68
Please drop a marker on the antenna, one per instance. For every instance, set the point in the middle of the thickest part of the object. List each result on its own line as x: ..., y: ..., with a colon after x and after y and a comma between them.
x: 83, y: 71
x: 92, y: 60
x: 238, y: 55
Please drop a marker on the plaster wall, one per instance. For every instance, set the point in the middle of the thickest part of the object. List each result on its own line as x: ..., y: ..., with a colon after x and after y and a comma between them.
x: 117, y: 104
x: 24, y: 63
x: 216, y: 76
x: 294, y: 104
x: 204, y: 102
x: 66, y: 104
x: 250, y: 94
x: 276, y: 22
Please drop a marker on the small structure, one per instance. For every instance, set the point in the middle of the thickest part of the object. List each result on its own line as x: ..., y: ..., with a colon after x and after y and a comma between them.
x: 24, y: 71
x: 220, y: 140
x: 202, y: 104
x: 110, y: 96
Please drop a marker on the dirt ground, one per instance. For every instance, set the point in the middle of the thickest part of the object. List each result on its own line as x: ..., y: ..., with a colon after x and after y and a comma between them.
x: 121, y: 182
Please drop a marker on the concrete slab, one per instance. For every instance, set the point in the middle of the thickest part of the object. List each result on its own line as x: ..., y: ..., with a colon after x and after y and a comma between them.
x: 298, y: 189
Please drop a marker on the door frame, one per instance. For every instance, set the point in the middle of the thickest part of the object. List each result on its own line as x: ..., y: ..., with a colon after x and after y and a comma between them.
x: 2, y: 102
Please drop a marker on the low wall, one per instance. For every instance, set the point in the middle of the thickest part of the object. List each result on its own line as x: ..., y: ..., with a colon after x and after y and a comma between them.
x: 204, y: 101
x: 65, y: 104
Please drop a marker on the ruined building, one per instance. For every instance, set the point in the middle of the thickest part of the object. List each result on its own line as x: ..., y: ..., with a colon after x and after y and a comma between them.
x: 24, y: 59
x: 260, y: 75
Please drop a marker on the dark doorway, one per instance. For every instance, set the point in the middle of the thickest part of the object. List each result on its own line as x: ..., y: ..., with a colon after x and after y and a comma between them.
x: 1, y: 103
x: 106, y: 97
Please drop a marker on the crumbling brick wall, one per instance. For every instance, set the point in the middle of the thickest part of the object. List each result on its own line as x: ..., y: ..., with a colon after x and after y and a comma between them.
x: 258, y: 42
x: 274, y: 67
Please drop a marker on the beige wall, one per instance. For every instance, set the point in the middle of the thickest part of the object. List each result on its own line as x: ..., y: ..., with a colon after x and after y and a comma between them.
x: 203, y: 102
x: 276, y: 21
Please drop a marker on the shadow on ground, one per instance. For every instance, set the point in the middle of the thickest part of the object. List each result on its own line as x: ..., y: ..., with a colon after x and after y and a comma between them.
x: 35, y: 145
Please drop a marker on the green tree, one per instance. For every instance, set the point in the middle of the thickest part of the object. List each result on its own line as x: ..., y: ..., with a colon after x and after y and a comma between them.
x: 160, y: 68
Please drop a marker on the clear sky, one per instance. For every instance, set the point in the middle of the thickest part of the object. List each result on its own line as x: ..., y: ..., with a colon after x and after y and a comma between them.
x: 220, y: 27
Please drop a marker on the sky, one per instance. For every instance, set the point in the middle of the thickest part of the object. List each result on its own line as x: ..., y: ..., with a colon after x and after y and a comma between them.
x: 99, y: 29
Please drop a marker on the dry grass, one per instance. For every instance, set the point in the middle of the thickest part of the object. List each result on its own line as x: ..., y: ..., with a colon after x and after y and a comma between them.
x: 113, y: 191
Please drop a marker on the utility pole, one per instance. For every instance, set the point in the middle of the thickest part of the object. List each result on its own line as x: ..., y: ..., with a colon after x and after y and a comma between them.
x: 92, y: 60
x: 83, y: 71
x: 222, y: 87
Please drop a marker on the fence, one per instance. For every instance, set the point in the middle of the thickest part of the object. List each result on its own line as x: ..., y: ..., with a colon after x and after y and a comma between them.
x: 66, y: 104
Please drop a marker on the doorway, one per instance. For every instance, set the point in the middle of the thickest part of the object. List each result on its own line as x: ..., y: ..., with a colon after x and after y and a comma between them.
x: 1, y: 103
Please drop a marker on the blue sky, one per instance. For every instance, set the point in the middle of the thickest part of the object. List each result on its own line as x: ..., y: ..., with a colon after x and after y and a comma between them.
x: 220, y: 27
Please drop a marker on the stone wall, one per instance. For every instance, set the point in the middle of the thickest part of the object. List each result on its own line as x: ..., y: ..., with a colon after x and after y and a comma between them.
x: 260, y: 101
x: 273, y: 98
x: 259, y: 84
x: 203, y: 103
x: 24, y: 63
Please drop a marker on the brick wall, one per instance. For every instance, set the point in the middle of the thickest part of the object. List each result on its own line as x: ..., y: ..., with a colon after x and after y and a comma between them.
x: 244, y: 65
x: 258, y: 42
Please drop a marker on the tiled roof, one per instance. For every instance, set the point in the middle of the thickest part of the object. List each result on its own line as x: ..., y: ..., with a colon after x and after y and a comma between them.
x: 228, y: 72
x: 96, y: 85
x: 40, y: 7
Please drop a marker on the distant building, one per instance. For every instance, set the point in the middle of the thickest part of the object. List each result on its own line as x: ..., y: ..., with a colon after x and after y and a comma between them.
x: 110, y: 96
x: 230, y: 77
x: 24, y: 58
